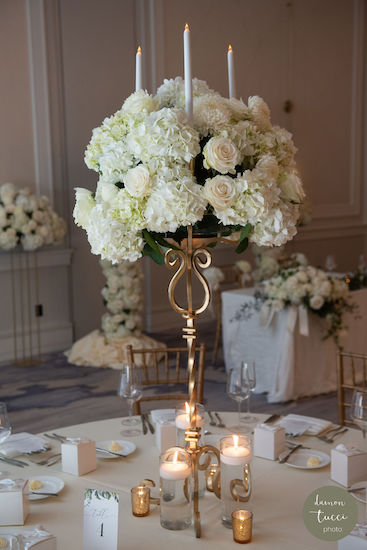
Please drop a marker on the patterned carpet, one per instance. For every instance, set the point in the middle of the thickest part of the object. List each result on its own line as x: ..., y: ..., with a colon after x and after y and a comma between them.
x: 54, y: 393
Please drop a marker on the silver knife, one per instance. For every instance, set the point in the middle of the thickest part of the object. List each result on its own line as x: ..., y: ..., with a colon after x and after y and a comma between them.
x: 13, y: 461
x: 151, y: 427
x: 143, y: 423
x: 107, y: 451
x: 44, y: 494
x: 285, y: 458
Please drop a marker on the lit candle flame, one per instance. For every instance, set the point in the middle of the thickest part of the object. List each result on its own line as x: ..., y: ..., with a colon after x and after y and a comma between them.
x: 175, y: 456
x: 235, y: 440
x: 139, y: 50
x: 230, y: 49
x: 187, y: 406
x: 187, y: 28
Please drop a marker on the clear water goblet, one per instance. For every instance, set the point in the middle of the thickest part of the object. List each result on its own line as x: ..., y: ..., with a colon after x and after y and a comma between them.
x: 250, y: 374
x: 238, y: 389
x: 130, y: 388
x: 358, y: 410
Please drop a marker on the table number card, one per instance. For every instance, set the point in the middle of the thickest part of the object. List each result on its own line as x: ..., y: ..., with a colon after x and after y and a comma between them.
x: 101, y: 520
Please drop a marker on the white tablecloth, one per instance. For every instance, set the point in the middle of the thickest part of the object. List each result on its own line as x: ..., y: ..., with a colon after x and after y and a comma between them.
x: 288, y: 365
x: 278, y: 496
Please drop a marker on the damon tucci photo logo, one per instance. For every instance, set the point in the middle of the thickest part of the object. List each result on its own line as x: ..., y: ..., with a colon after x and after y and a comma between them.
x: 330, y: 513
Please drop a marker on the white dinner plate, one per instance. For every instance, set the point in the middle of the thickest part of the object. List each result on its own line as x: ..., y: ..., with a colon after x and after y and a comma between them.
x: 128, y: 447
x: 299, y: 459
x: 359, y: 495
x: 50, y: 484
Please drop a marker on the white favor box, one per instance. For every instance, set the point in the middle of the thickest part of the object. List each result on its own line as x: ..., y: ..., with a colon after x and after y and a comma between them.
x: 79, y: 457
x: 269, y: 441
x: 348, y: 465
x: 13, y: 502
x: 165, y: 435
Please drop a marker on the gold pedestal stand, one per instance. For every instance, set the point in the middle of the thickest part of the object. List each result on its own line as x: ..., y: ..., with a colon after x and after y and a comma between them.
x: 189, y: 262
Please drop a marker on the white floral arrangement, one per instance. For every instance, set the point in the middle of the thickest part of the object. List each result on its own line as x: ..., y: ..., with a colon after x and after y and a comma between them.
x: 27, y: 220
x: 244, y: 178
x: 123, y: 298
x: 312, y: 288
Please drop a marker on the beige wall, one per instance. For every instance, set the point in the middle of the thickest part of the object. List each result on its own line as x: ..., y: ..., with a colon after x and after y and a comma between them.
x: 308, y: 51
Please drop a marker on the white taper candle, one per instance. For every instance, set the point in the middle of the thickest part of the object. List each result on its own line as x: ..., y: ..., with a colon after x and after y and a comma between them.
x: 188, y: 75
x: 231, y: 75
x: 138, y: 71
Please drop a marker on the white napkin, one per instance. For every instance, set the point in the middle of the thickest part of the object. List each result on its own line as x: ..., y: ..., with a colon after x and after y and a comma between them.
x: 294, y: 427
x: 163, y: 415
x: 270, y: 428
x: 315, y: 425
x: 22, y: 443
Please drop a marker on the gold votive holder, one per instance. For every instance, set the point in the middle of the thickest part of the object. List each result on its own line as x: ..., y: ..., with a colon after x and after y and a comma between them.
x: 210, y: 474
x: 242, y: 526
x: 140, y: 501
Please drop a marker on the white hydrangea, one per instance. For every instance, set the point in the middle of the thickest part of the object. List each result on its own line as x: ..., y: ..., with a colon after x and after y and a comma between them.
x: 211, y: 114
x: 174, y: 202
x: 112, y: 239
x: 84, y: 203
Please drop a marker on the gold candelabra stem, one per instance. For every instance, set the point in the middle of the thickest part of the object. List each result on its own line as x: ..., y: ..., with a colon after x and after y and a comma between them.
x: 189, y: 262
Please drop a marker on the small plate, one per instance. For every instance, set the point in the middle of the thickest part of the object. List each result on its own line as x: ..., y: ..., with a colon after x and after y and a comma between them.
x: 299, y: 459
x: 128, y: 447
x: 50, y: 484
x: 359, y: 495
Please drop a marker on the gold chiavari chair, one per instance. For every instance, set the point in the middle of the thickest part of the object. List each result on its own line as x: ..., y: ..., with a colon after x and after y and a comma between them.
x: 351, y: 375
x: 167, y: 367
x: 232, y: 279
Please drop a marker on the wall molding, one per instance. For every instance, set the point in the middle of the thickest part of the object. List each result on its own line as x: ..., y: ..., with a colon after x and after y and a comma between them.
x: 352, y: 208
x: 47, y: 257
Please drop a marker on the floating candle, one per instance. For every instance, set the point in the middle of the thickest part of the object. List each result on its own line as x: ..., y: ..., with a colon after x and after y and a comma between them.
x: 174, y: 470
x: 235, y: 455
x: 183, y: 419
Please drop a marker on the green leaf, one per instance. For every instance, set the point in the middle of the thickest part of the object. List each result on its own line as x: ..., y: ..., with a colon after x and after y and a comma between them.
x: 160, y: 240
x: 149, y: 239
x: 245, y: 231
x: 157, y: 257
x: 242, y: 245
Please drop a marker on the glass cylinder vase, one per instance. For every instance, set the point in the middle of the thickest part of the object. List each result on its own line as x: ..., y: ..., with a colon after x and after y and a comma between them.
x: 175, y: 489
x: 182, y: 423
x: 235, y: 475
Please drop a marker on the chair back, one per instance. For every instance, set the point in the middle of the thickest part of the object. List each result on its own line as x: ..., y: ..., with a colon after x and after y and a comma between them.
x: 165, y: 368
x: 351, y: 376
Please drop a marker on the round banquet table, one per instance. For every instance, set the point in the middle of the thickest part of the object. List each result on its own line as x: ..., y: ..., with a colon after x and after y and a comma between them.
x: 279, y: 492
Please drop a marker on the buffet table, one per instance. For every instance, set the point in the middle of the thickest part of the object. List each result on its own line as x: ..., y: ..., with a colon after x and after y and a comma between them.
x: 279, y: 492
x: 288, y: 365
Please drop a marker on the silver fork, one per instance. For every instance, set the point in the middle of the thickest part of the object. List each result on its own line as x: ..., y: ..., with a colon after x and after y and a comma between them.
x: 45, y: 461
x: 330, y: 438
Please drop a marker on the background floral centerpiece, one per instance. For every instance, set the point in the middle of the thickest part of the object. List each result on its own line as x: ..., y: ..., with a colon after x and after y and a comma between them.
x: 27, y: 220
x: 313, y: 289
x: 123, y: 298
x: 244, y: 180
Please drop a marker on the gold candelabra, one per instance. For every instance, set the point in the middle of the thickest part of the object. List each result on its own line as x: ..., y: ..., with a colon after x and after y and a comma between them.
x: 189, y: 262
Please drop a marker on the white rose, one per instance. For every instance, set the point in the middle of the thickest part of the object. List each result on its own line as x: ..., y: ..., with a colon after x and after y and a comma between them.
x: 221, y: 154
x: 220, y: 192
x: 83, y: 206
x: 291, y: 188
x: 137, y: 181
x: 107, y: 191
x: 316, y: 302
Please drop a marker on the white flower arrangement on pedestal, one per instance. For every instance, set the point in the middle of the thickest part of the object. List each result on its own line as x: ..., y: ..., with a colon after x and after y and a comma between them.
x: 123, y: 298
x: 245, y: 177
x: 27, y: 220
x: 313, y: 289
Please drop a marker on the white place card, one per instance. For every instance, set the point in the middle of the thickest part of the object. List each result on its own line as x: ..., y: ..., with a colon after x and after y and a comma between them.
x: 101, y: 520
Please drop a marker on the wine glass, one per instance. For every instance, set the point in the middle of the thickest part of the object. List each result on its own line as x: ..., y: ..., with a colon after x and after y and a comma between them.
x: 250, y: 374
x: 130, y: 388
x: 358, y: 410
x: 5, y: 427
x: 238, y: 388
x: 330, y: 263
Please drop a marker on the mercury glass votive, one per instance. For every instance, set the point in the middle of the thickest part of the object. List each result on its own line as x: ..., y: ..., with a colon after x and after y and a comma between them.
x: 242, y: 526
x: 140, y: 501
x: 235, y: 458
x: 175, y: 489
